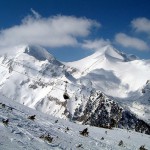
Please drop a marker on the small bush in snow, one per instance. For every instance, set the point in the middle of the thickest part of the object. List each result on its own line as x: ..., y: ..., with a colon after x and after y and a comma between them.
x: 3, y: 105
x: 5, y: 122
x: 120, y: 143
x: 142, y: 147
x: 79, y: 146
x: 84, y: 132
x: 10, y: 108
x: 47, y: 138
x: 67, y: 129
x: 32, y: 117
x: 56, y: 121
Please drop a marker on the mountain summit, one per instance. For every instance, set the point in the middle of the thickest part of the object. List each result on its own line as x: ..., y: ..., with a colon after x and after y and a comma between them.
x: 106, y: 53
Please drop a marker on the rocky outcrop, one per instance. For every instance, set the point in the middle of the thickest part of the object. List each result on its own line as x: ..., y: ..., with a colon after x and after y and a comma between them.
x: 100, y: 111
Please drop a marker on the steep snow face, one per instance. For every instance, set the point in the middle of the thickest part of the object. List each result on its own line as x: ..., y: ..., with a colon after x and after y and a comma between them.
x: 113, y: 72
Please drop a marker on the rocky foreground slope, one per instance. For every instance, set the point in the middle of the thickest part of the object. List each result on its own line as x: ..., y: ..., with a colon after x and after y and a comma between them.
x: 47, y: 132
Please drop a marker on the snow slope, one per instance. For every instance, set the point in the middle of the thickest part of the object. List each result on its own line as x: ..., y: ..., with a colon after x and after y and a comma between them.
x: 23, y: 133
x: 116, y: 73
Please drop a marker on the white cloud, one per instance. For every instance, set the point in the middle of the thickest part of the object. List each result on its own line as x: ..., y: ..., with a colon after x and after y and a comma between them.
x: 131, y: 42
x: 36, y: 14
x: 55, y: 31
x: 141, y: 25
x: 96, y: 44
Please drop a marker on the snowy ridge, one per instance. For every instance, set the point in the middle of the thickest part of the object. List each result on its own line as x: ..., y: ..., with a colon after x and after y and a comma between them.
x: 106, y: 53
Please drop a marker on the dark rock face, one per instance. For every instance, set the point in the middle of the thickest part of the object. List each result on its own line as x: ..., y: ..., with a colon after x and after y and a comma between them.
x: 100, y: 111
x: 130, y: 121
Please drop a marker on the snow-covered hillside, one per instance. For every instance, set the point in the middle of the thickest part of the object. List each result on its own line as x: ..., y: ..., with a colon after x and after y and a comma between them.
x: 46, y: 132
x: 109, y: 86
x: 120, y: 76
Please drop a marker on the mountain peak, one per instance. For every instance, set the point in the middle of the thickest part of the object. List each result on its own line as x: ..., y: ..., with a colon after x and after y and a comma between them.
x: 38, y: 52
x: 112, y: 53
x: 35, y: 51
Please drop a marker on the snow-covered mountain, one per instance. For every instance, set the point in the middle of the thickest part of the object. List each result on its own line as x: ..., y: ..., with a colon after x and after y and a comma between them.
x: 114, y: 73
x: 121, y: 77
x: 106, y: 91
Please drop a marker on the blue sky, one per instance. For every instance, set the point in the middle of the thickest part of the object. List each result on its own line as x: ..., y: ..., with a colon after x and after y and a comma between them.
x: 86, y: 25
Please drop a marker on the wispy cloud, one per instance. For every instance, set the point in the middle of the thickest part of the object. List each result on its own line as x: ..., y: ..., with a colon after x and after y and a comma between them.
x: 141, y: 25
x: 35, y: 13
x: 54, y: 31
x: 131, y: 42
x: 95, y: 44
